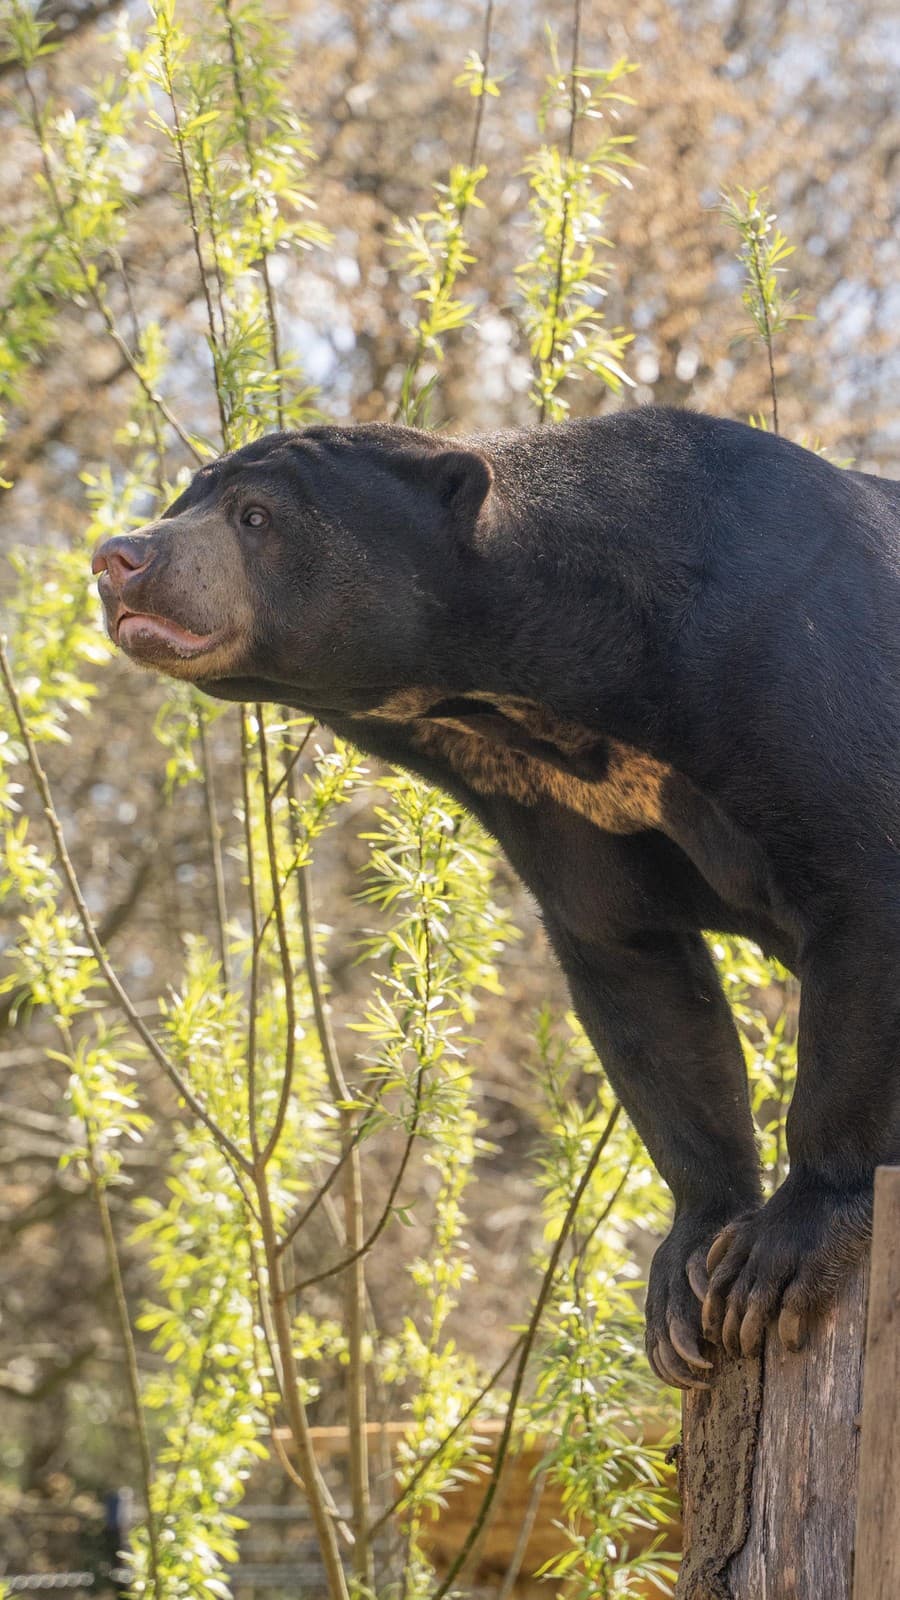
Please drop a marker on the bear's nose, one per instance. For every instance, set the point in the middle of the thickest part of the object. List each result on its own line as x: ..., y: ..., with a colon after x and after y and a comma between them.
x: 122, y: 557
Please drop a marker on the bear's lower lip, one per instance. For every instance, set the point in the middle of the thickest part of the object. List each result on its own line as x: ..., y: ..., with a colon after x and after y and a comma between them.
x: 145, y: 635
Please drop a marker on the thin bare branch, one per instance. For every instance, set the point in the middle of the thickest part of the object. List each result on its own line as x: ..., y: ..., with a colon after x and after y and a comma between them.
x: 295, y: 1223
x: 214, y: 836
x: 256, y: 943
x: 131, y: 1367
x: 284, y: 949
x: 483, y: 78
x: 523, y: 1537
x: 438, y: 1450
x: 387, y: 1211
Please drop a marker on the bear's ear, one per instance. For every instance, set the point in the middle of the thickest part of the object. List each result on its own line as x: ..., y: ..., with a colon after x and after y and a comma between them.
x: 460, y: 480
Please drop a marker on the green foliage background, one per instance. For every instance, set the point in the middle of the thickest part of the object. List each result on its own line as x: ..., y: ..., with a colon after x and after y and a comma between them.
x: 272, y: 1126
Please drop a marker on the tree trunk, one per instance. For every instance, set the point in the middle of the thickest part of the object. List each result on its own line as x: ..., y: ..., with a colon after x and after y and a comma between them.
x: 768, y: 1468
x: 772, y: 1456
x: 877, y: 1574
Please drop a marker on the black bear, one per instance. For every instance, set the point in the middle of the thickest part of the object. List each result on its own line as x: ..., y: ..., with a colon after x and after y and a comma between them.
x: 659, y: 656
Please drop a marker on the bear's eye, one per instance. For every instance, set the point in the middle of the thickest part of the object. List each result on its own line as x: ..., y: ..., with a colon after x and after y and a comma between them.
x: 255, y: 517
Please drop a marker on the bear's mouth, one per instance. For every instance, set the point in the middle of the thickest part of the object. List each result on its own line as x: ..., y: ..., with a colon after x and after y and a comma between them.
x: 147, y: 637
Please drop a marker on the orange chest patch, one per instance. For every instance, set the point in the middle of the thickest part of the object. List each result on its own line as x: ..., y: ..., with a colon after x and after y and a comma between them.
x: 514, y: 747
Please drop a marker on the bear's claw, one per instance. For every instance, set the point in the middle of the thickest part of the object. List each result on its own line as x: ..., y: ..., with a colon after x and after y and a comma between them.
x: 785, y: 1261
x: 675, y: 1346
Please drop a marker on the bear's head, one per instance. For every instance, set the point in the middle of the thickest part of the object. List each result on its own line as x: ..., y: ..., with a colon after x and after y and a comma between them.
x: 324, y: 568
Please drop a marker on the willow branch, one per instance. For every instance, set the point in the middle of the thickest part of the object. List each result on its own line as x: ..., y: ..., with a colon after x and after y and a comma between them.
x: 284, y: 951
x: 314, y: 1486
x: 181, y: 151
x: 126, y: 1004
x: 482, y: 81
x: 295, y: 1223
x: 355, y: 1286
x: 253, y: 997
x: 759, y: 276
x: 447, y: 273
x: 214, y: 834
x: 250, y: 154
x: 438, y: 1450
x: 126, y: 1333
x: 527, y: 1347
x: 131, y: 1366
x: 385, y: 1217
x: 91, y: 286
x: 270, y: 1340
x: 412, y: 1132
x: 564, y: 227
x: 511, y: 1575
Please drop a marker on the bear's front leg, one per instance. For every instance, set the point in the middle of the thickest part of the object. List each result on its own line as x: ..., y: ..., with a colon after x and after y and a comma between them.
x: 789, y: 1259
x: 652, y: 1005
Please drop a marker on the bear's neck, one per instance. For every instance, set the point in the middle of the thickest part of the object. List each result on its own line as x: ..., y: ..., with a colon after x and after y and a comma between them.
x: 545, y: 611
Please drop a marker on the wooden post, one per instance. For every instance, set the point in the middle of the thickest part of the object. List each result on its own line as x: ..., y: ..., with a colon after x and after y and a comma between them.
x: 768, y: 1467
x: 877, y: 1574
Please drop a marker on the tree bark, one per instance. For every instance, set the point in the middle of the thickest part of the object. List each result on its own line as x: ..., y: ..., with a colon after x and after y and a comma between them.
x: 877, y: 1574
x: 768, y: 1468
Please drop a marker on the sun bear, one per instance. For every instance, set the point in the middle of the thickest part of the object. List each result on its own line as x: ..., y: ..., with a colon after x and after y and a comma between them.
x: 658, y: 655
